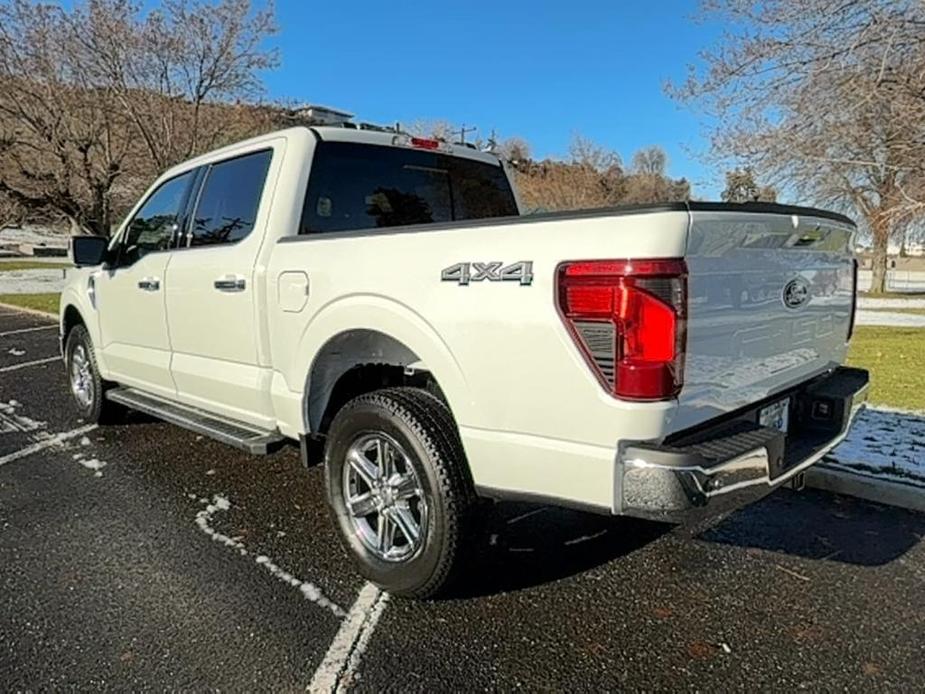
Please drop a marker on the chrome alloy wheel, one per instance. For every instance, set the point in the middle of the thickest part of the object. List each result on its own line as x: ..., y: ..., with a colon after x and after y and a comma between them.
x: 384, y: 498
x: 81, y: 376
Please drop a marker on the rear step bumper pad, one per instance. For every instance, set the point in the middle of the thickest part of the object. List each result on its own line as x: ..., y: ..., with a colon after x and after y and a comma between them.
x: 707, y: 473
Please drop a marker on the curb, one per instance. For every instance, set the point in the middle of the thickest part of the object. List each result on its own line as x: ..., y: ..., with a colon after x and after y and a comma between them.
x: 867, y: 487
x: 33, y: 311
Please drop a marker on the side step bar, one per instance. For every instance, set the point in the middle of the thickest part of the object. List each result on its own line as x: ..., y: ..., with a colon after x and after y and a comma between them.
x: 237, y: 434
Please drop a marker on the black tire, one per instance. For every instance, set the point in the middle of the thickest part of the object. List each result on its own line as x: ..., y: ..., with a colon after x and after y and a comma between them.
x: 95, y: 408
x: 427, y: 437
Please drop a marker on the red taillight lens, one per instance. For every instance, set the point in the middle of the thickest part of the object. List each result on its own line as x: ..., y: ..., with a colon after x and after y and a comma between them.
x: 854, y: 298
x: 628, y: 317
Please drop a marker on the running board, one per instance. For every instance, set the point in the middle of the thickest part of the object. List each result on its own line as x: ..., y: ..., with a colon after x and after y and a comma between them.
x: 237, y: 434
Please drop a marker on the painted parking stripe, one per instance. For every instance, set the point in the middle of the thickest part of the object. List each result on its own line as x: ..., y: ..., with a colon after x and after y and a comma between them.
x: 55, y: 440
x: 342, y: 660
x: 26, y: 364
x: 28, y: 330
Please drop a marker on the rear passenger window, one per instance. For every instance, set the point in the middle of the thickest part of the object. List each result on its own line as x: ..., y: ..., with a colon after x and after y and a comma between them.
x: 360, y: 186
x: 227, y: 207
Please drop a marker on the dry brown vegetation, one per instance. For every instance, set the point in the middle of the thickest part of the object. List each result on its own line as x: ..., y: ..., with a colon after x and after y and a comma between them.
x: 592, y: 176
x: 96, y: 100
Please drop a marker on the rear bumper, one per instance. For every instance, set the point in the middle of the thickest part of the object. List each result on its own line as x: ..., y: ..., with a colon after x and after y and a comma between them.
x: 698, y: 475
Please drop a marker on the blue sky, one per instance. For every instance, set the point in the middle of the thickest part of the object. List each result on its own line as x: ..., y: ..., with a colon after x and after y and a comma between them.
x: 540, y: 70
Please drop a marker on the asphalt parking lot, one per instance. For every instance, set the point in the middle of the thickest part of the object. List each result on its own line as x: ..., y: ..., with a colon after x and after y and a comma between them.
x: 142, y: 556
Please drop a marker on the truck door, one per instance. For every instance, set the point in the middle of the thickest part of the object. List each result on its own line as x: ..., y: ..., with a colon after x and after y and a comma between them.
x: 211, y: 293
x: 130, y: 292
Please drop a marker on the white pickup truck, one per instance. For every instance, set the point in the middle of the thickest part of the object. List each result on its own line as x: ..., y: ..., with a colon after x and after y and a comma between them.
x: 378, y: 293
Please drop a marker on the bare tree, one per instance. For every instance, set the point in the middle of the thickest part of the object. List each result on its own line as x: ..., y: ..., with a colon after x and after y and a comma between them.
x: 827, y: 98
x: 11, y: 212
x: 586, y: 152
x: 741, y: 186
x: 650, y: 161
x: 97, y: 99
x: 513, y: 149
x: 649, y: 182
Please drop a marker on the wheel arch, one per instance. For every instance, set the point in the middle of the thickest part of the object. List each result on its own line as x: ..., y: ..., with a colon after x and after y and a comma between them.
x: 373, y: 333
x: 357, y: 361
x: 70, y: 317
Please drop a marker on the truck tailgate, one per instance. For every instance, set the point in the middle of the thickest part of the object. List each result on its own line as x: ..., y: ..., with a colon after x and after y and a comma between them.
x: 770, y: 304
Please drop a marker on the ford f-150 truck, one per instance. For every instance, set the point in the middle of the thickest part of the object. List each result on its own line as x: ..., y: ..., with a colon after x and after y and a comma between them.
x: 379, y: 294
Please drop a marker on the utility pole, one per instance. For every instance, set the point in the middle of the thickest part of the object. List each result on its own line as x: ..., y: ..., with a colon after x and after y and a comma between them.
x: 462, y: 132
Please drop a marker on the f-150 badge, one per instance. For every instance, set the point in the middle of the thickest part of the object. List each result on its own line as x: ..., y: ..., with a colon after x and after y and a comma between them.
x: 464, y: 273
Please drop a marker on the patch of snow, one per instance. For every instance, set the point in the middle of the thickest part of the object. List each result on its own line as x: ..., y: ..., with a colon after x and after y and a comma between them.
x: 887, y: 443
x: 45, y: 441
x: 42, y: 281
x: 94, y: 464
x: 35, y: 235
x: 308, y: 590
x: 85, y: 441
x: 891, y: 319
x: 11, y: 420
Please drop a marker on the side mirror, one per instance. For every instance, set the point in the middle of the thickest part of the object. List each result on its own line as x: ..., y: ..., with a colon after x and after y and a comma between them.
x: 88, y: 251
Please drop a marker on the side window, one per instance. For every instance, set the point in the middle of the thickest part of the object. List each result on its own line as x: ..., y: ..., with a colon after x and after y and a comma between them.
x: 154, y: 225
x: 227, y: 207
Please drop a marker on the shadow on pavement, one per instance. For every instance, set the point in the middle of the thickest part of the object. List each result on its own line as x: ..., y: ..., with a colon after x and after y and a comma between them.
x: 819, y: 525
x: 522, y: 545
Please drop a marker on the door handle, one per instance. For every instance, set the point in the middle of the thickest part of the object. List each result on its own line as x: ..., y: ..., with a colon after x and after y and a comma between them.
x: 230, y: 284
x: 149, y: 284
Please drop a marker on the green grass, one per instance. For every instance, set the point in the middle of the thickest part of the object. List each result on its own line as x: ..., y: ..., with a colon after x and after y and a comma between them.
x: 39, y: 302
x: 11, y: 265
x: 895, y: 358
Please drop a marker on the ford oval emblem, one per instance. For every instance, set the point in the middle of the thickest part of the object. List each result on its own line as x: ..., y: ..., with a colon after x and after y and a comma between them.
x: 796, y: 293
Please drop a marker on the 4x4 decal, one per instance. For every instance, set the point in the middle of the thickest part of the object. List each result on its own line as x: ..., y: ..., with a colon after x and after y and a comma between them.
x: 464, y: 273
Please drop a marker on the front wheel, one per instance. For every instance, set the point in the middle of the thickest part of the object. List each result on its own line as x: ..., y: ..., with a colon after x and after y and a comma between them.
x: 83, y: 375
x: 399, y: 490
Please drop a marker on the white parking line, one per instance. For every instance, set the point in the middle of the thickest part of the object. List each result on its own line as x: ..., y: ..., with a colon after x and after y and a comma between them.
x: 340, y: 664
x: 28, y: 330
x: 25, y: 364
x: 308, y: 590
x: 55, y: 440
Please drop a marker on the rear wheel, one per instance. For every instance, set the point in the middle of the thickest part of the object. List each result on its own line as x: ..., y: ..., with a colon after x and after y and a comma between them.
x: 87, y: 387
x: 399, y: 490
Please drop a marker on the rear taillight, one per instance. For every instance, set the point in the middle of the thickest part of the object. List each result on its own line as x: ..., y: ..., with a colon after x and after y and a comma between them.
x: 628, y: 318
x: 854, y: 297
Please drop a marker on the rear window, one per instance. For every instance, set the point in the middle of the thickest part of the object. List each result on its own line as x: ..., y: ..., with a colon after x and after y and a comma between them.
x: 358, y: 186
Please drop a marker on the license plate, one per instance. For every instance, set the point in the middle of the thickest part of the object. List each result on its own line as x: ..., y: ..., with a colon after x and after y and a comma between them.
x: 775, y: 415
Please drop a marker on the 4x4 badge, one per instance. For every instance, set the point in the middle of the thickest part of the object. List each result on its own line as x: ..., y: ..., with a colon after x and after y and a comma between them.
x: 464, y: 273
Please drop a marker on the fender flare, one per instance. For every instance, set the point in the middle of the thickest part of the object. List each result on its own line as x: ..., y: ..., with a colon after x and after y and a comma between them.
x: 394, y: 320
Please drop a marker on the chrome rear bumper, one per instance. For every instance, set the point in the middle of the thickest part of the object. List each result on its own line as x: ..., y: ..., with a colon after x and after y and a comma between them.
x: 698, y: 475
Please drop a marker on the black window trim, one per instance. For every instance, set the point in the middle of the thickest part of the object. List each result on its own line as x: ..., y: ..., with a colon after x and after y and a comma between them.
x: 205, y: 170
